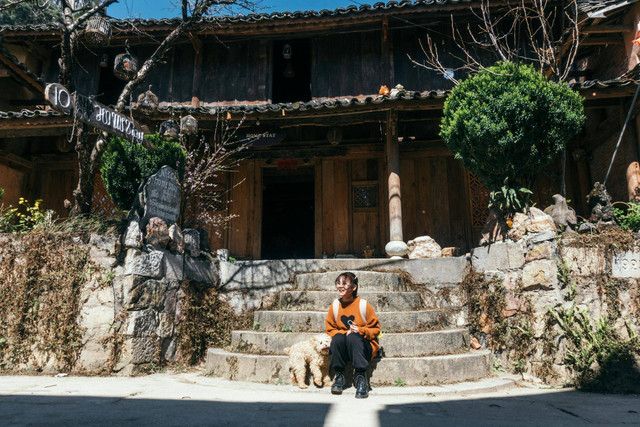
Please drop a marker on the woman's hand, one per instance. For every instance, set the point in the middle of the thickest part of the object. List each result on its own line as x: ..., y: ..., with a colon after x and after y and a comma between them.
x: 353, y: 329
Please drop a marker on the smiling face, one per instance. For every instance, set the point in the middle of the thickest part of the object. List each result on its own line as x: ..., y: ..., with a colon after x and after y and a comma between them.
x: 345, y: 288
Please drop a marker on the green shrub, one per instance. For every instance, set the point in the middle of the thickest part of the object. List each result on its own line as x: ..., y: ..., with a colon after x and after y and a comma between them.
x: 1, y: 193
x: 126, y: 165
x: 628, y: 219
x: 508, y: 123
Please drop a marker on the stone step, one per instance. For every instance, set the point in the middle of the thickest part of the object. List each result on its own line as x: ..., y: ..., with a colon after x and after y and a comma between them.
x: 395, y: 345
x: 391, y: 321
x: 367, y: 281
x: 412, y: 371
x: 321, y: 300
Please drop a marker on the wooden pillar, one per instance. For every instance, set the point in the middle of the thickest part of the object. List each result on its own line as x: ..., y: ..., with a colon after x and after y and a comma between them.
x: 197, y: 69
x: 396, y: 246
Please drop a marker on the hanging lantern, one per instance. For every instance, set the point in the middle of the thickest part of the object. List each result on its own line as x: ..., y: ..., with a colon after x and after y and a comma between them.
x: 148, y: 100
x: 189, y: 125
x: 125, y: 66
x: 97, y: 33
x: 169, y: 129
x: 104, y: 60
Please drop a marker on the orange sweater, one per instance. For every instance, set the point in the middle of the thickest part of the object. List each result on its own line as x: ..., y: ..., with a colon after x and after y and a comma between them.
x: 370, y: 329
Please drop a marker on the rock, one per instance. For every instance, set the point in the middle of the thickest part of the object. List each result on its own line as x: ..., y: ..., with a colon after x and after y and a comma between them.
x: 450, y: 252
x: 191, y: 242
x: 475, y: 344
x: 581, y: 261
x: 424, y: 247
x: 498, y: 256
x: 133, y: 235
x: 144, y: 350
x: 539, y: 221
x: 142, y: 323
x: 176, y: 239
x: 562, y: 214
x: 109, y: 244
x: 144, y: 264
x: 586, y: 227
x: 173, y: 266
x: 204, y: 240
x: 495, y: 229
x: 396, y: 249
x: 541, y: 274
x: 534, y: 221
x: 157, y: 233
x: 222, y: 254
x: 540, y: 237
x: 200, y: 271
x: 600, y: 203
x: 543, y: 250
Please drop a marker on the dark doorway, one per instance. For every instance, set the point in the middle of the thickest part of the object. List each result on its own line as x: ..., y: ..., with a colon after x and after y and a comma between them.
x: 288, y: 213
x: 291, y: 71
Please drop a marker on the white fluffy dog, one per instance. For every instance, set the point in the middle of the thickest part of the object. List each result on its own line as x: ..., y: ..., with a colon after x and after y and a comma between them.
x: 315, y: 352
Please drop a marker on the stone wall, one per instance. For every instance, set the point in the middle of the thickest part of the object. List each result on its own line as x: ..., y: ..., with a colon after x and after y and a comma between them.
x: 544, y: 271
x: 129, y: 321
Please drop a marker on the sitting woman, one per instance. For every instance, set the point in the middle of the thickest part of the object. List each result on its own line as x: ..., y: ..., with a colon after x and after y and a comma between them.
x: 353, y: 327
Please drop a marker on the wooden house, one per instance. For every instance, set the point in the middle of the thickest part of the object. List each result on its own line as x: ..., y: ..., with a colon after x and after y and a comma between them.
x: 338, y: 167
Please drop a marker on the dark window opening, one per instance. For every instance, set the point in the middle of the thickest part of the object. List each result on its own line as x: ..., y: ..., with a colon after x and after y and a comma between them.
x: 288, y: 206
x: 291, y: 71
x: 110, y: 86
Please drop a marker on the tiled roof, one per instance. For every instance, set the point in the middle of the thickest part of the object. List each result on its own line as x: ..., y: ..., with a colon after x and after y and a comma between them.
x: 587, y: 6
x: 329, y: 104
x: 354, y: 11
x: 7, y: 54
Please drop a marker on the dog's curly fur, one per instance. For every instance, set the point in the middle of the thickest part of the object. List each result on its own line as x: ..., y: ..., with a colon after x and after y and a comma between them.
x: 315, y: 352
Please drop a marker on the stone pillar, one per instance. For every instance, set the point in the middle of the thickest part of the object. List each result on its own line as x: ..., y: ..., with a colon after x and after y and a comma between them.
x: 396, y: 246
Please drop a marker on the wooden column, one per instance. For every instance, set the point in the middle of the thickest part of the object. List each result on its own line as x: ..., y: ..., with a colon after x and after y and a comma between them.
x: 197, y: 69
x: 396, y: 246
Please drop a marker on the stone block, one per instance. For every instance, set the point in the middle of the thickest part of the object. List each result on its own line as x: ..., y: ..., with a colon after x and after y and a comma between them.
x: 583, y: 261
x: 157, y: 233
x: 200, y: 271
x: 144, y: 350
x: 423, y: 247
x: 173, y: 266
x: 626, y: 264
x: 510, y: 280
x: 165, y: 325
x: 110, y: 244
x: 144, y: 264
x: 150, y: 294
x: 142, y: 323
x: 542, y: 274
x: 540, y: 237
x: 544, y: 250
x: 133, y: 235
x: 176, y: 239
x: 498, y: 256
x: 191, y: 242
x: 94, y: 356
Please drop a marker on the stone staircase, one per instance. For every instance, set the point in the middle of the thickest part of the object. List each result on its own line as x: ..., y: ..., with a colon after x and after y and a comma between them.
x: 421, y: 342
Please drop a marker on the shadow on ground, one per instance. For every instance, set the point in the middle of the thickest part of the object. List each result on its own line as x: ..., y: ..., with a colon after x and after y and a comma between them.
x: 43, y: 410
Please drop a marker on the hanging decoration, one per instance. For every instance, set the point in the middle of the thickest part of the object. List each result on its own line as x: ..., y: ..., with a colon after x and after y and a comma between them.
x: 97, y: 32
x: 148, y: 100
x: 287, y: 54
x: 125, y: 66
x: 334, y: 136
x: 169, y: 129
x: 189, y: 125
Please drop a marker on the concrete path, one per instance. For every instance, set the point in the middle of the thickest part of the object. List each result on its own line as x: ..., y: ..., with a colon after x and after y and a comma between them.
x: 191, y: 399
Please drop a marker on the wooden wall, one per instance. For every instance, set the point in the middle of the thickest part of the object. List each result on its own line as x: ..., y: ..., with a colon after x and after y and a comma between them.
x: 15, y: 184
x: 434, y: 200
x: 246, y: 200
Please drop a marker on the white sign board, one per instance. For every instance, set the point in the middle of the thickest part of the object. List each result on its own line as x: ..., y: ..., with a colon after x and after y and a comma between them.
x: 626, y: 264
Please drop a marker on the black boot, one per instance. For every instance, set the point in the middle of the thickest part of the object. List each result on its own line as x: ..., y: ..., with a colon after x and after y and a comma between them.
x: 362, y: 387
x: 338, y: 384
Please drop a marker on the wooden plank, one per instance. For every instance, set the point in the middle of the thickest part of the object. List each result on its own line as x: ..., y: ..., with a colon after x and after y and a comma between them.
x: 197, y: 70
x: 602, y: 40
x: 365, y: 232
x: 238, y: 232
x: 594, y: 29
x: 424, y: 196
x: 341, y: 207
x: 319, y: 217
x: 328, y: 203
x: 458, y: 205
x: 255, y: 241
x: 358, y: 170
x: 440, y: 192
x: 408, y: 188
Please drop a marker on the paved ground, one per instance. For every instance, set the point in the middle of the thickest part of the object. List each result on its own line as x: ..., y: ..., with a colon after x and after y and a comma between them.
x: 191, y: 399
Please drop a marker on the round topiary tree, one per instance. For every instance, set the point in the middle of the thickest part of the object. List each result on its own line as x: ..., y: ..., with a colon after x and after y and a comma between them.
x: 126, y: 165
x: 507, y: 123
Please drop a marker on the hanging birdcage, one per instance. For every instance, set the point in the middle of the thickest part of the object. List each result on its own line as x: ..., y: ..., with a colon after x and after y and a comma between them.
x: 169, y: 129
x: 189, y: 125
x: 125, y: 66
x: 97, y: 32
x: 148, y: 100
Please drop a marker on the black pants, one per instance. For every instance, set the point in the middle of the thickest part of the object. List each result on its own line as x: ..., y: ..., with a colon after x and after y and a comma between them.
x: 352, y: 348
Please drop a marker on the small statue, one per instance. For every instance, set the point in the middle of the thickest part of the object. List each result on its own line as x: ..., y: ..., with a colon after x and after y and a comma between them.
x: 561, y: 213
x: 368, y: 251
x: 600, y: 204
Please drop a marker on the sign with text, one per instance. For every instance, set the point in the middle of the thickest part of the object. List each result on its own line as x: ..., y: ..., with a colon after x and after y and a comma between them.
x: 626, y: 264
x: 162, y: 196
x: 93, y: 113
x: 261, y: 137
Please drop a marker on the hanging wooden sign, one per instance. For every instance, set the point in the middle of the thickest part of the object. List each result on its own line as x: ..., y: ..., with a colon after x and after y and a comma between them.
x: 93, y: 113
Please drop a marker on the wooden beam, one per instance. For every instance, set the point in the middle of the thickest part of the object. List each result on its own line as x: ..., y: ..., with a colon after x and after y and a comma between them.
x: 197, y: 69
x: 34, y: 131
x: 602, y: 40
x: 21, y: 73
x: 596, y: 29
